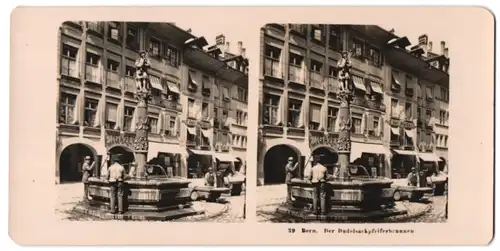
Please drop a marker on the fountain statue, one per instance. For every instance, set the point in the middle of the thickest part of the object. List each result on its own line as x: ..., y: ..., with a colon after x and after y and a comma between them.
x: 148, y: 196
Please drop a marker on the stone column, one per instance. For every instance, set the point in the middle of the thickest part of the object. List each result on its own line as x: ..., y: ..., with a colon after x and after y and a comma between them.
x: 345, y: 123
x: 141, y: 142
x: 344, y: 140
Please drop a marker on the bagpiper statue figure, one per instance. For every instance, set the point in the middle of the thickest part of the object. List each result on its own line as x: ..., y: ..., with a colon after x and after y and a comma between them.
x: 142, y: 65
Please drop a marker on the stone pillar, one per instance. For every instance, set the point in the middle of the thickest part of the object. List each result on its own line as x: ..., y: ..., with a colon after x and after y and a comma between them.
x: 141, y: 141
x: 345, y: 120
x: 344, y: 141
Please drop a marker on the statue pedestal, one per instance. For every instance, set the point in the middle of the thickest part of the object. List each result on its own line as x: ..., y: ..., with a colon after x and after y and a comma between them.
x: 158, y: 199
x: 346, y: 200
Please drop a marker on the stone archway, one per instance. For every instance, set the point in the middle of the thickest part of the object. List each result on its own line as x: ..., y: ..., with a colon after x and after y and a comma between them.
x: 71, y: 161
x: 275, y: 160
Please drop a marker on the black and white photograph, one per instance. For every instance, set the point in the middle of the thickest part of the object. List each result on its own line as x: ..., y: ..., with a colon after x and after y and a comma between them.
x: 353, y: 124
x: 151, y: 123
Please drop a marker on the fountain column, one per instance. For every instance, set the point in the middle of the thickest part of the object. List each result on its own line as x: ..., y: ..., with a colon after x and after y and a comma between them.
x: 344, y: 140
x: 141, y: 142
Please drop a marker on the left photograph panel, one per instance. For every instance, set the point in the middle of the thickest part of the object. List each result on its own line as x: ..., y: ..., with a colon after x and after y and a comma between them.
x: 151, y: 123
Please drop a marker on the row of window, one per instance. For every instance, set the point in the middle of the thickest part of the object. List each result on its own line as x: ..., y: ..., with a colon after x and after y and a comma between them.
x: 397, y: 112
x: 203, y: 112
x: 441, y: 140
x: 201, y: 137
x: 67, y: 115
x: 427, y: 92
x: 157, y: 47
x: 361, y: 48
x: 271, y: 116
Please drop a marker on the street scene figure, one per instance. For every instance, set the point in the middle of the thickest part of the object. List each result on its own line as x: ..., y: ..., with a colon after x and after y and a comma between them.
x: 88, y: 169
x: 291, y: 169
x: 319, y: 175
x: 372, y: 103
x: 210, y: 177
x: 412, y: 177
x: 117, y: 186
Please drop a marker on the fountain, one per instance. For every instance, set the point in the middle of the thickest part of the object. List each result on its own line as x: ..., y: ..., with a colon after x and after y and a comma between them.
x: 147, y: 197
x: 349, y: 198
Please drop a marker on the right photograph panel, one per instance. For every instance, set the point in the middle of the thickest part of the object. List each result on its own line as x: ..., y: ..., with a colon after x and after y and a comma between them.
x: 353, y: 124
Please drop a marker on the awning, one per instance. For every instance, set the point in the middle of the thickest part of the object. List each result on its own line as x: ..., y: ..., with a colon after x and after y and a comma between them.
x: 191, y: 130
x: 201, y: 152
x: 408, y: 133
x: 154, y: 148
x: 155, y: 82
x: 274, y: 44
x: 224, y: 157
x: 358, y: 83
x: 205, y: 133
x: 404, y: 152
x: 395, y: 131
x: 398, y: 79
x: 428, y: 157
x: 357, y: 149
x: 173, y: 87
x: 296, y: 51
x: 376, y: 87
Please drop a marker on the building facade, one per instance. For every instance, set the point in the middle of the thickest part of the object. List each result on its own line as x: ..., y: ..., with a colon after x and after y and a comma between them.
x: 96, y: 102
x: 298, y: 103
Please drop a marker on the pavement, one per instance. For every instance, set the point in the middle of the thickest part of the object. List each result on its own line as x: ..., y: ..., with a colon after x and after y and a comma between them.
x: 271, y: 196
x: 227, y: 209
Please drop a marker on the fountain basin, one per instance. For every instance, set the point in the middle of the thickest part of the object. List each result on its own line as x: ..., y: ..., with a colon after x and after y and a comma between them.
x: 145, y: 195
x: 157, y: 199
x: 346, y: 200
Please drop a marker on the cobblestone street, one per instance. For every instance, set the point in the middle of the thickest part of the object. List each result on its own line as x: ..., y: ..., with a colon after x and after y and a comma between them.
x: 270, y: 197
x: 228, y: 209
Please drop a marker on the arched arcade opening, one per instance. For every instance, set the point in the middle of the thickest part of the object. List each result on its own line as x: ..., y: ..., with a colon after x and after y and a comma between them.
x: 275, y: 161
x: 328, y: 157
x: 71, y: 162
x: 126, y: 156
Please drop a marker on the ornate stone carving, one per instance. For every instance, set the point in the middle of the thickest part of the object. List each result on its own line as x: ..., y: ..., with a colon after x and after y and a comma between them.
x: 141, y: 143
x: 142, y: 124
x: 111, y: 140
x: 345, y: 123
x: 344, y: 144
x: 325, y: 140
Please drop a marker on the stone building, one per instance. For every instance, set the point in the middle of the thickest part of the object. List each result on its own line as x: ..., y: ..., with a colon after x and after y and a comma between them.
x: 298, y: 88
x: 95, y: 108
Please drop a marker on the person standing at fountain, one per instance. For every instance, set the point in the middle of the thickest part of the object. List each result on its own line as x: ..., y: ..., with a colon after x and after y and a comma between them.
x: 209, y: 178
x: 116, y: 181
x: 87, y: 173
x: 318, y: 179
x: 290, y: 169
x: 412, y: 177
